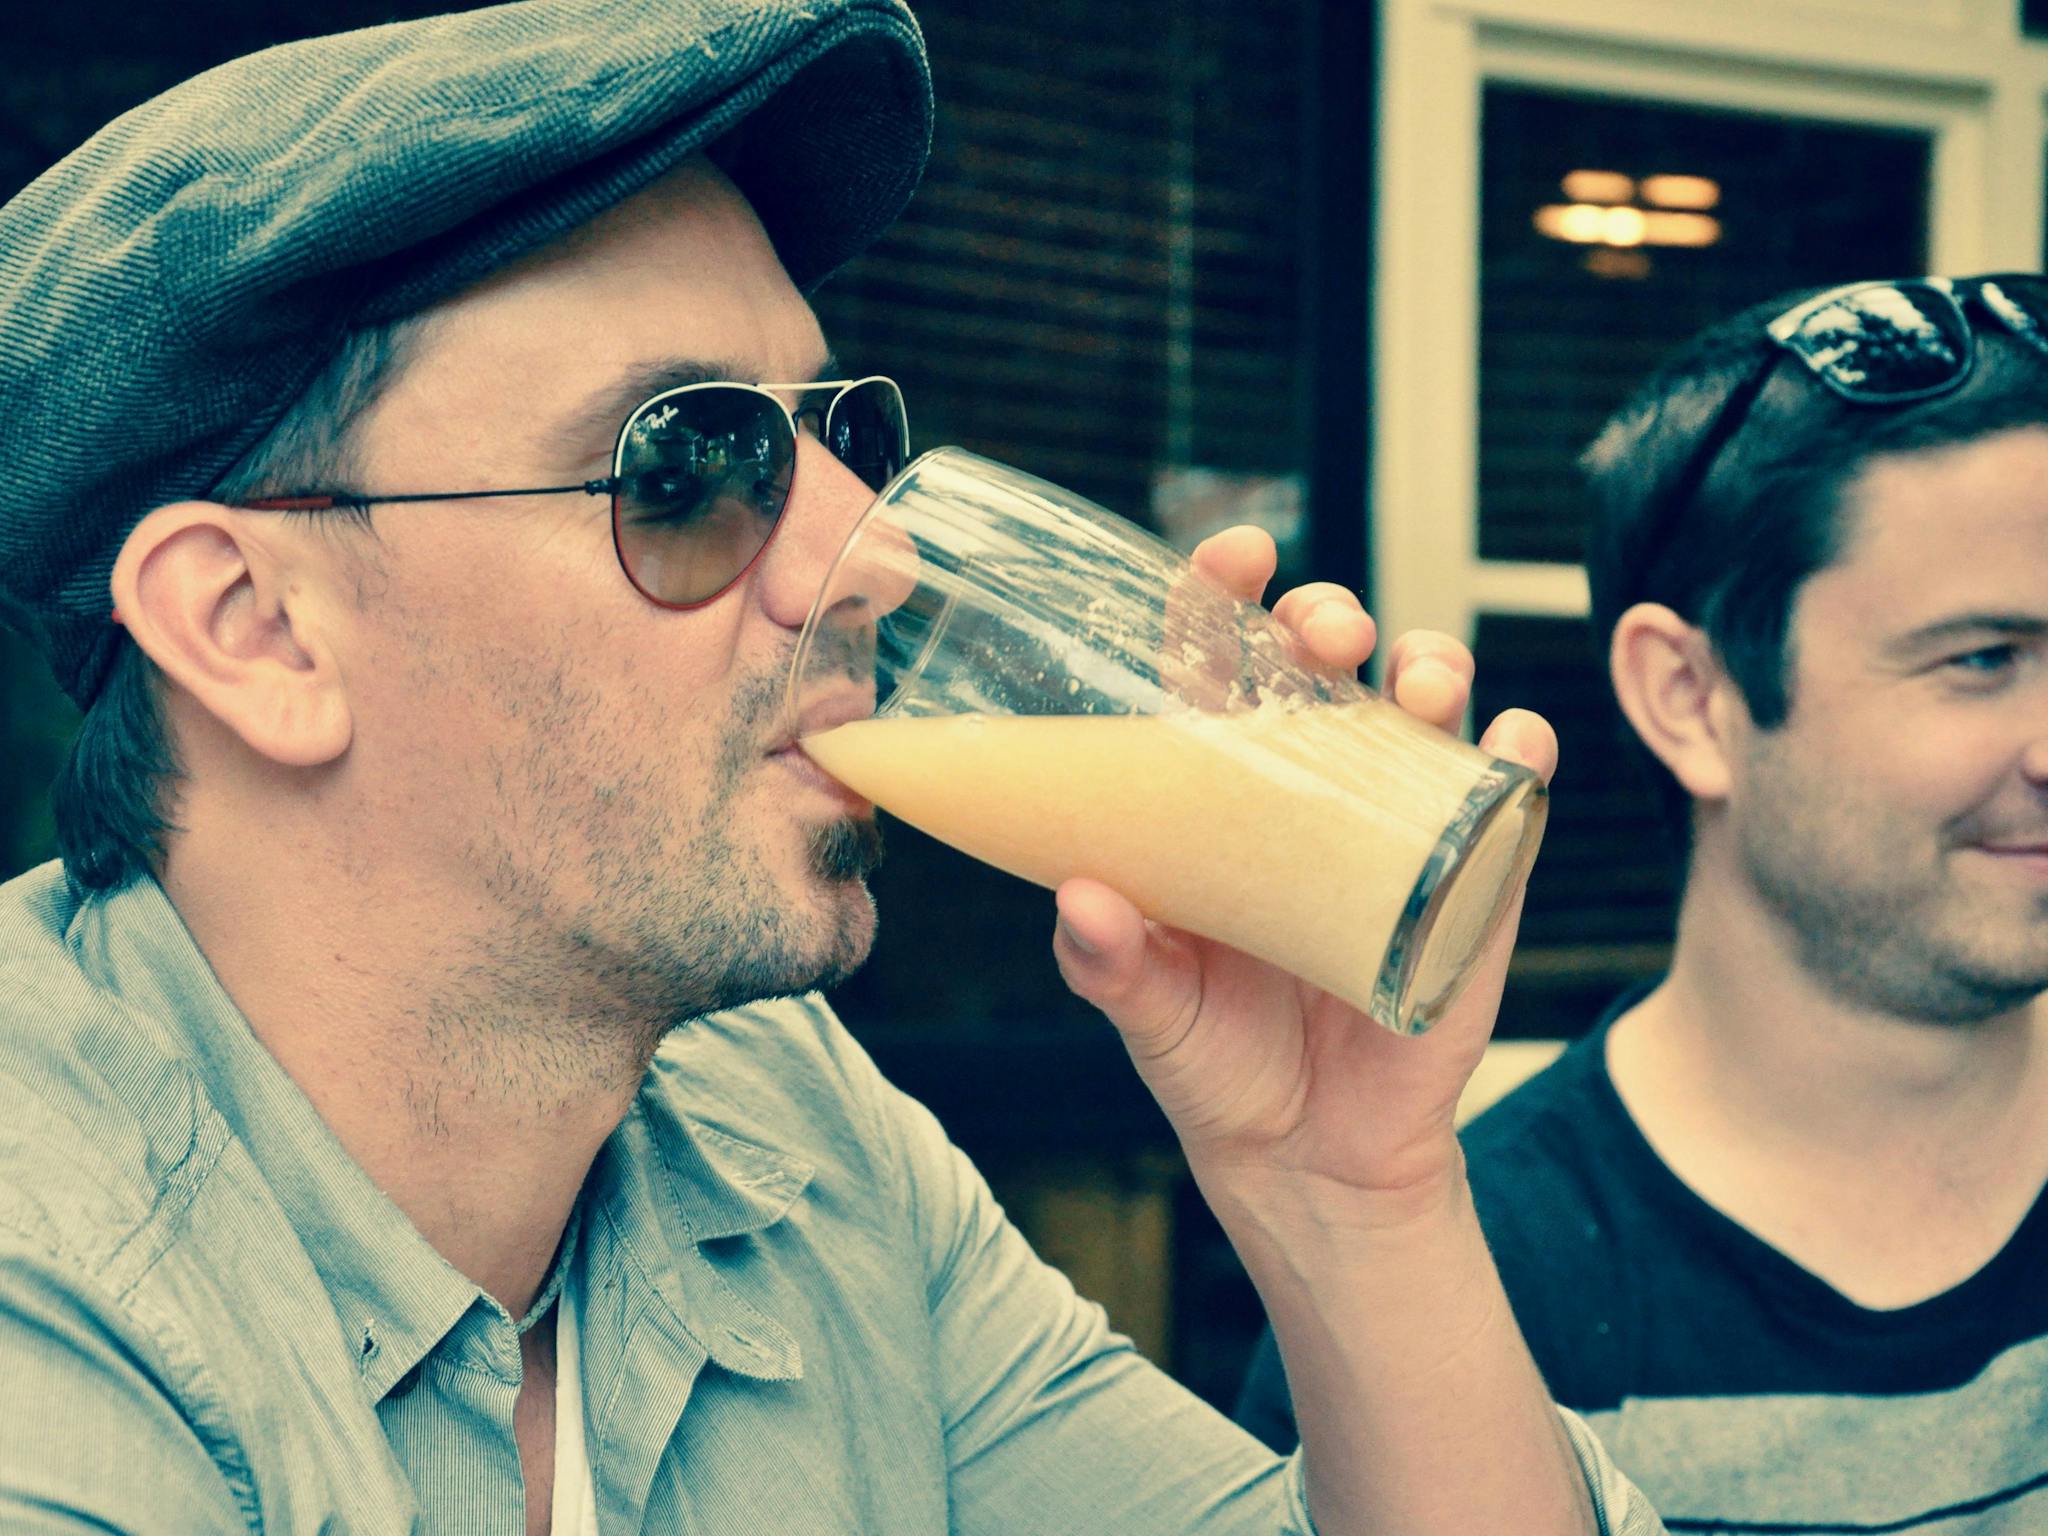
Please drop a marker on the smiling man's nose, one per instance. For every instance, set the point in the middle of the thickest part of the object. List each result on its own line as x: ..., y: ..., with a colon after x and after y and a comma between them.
x: 826, y: 500
x: 2034, y: 760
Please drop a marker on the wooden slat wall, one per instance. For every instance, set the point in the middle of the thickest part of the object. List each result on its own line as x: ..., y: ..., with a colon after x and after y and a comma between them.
x: 1102, y: 275
x: 1102, y: 272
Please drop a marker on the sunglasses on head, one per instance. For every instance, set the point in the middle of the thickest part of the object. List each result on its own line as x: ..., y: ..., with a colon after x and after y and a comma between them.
x: 701, y: 476
x: 1890, y: 343
x: 1871, y: 343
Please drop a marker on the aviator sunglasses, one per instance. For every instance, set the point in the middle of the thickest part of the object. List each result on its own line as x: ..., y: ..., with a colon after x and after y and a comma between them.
x: 701, y: 475
x: 1872, y: 343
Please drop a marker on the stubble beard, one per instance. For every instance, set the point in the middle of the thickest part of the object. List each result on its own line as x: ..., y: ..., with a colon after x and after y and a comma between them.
x: 730, y: 931
x: 1885, y: 942
x: 677, y: 918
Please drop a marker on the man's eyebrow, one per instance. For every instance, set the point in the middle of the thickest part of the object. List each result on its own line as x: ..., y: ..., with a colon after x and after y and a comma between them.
x: 1966, y: 625
x: 594, y: 424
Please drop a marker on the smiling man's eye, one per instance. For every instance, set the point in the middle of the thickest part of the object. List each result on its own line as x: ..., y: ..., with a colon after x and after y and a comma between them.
x: 1984, y: 660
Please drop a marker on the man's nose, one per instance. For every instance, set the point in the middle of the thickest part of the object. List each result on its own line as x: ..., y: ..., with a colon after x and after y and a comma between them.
x: 826, y: 501
x: 2034, y: 760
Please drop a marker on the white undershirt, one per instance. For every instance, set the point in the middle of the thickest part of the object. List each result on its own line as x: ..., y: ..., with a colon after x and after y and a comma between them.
x: 575, y: 1503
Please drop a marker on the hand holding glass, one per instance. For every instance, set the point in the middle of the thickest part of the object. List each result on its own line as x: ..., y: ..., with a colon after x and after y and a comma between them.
x: 1052, y: 690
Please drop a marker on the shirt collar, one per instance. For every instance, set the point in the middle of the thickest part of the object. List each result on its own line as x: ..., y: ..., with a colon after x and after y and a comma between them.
x: 670, y: 1179
x: 718, y: 1184
x: 393, y: 1293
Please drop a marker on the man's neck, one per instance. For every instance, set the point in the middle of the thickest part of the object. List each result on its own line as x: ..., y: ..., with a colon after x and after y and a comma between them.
x: 1845, y: 1136
x: 477, y: 1107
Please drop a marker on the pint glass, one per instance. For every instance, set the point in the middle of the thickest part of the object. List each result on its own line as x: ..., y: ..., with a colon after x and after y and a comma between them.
x: 1051, y: 689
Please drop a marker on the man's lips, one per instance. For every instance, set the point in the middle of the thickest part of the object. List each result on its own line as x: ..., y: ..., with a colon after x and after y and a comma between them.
x: 819, y: 714
x: 822, y: 712
x: 2030, y: 855
x: 797, y: 761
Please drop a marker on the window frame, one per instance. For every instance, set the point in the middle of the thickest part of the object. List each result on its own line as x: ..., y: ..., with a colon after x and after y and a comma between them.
x: 1959, y: 70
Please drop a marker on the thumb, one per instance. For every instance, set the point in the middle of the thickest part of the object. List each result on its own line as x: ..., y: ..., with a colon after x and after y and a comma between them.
x: 1144, y: 979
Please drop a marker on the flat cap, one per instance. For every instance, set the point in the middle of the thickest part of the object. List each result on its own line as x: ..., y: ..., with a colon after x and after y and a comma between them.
x: 167, y: 290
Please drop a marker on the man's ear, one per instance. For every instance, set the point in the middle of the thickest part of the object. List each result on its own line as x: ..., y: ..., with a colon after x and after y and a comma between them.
x: 1676, y: 695
x: 206, y: 597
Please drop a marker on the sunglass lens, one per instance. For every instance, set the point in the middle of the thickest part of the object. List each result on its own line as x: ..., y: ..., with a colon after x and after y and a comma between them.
x: 2021, y: 304
x: 1889, y: 341
x: 703, y: 477
x: 868, y: 432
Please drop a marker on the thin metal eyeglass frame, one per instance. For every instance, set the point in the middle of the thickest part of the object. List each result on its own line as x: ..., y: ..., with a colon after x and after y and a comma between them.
x: 611, y: 485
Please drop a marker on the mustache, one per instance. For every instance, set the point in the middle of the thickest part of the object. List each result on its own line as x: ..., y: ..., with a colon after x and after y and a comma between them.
x: 842, y: 650
x: 759, y: 698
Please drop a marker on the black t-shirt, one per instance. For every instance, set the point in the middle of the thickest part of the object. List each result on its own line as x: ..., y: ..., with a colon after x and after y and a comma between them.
x: 1742, y: 1393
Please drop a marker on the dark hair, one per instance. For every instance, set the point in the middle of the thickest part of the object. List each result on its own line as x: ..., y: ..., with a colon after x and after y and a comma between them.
x: 113, y: 796
x: 1769, y: 513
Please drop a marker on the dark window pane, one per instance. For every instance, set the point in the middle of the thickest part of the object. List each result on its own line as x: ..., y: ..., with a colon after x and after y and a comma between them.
x: 1567, y: 330
x: 1600, y: 906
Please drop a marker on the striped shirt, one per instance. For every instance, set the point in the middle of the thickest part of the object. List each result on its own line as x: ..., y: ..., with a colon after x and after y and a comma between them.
x: 1742, y: 1392
x: 798, y: 1310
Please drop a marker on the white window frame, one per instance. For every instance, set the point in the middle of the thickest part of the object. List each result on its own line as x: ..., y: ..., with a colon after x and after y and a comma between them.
x: 1958, y: 69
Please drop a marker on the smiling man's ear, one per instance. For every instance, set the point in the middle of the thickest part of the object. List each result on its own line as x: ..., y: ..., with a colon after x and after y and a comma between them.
x: 1677, y: 696
x: 206, y: 594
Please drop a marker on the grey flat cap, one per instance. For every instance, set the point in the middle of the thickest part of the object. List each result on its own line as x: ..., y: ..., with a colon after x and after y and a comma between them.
x: 167, y: 290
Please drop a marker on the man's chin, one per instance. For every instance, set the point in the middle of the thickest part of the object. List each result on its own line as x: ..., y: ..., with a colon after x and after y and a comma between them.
x: 838, y: 933
x: 842, y: 855
x: 851, y: 942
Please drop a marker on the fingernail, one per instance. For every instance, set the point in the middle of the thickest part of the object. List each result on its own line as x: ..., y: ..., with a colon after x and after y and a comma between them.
x: 1320, y: 618
x: 1425, y: 667
x: 1075, y: 939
